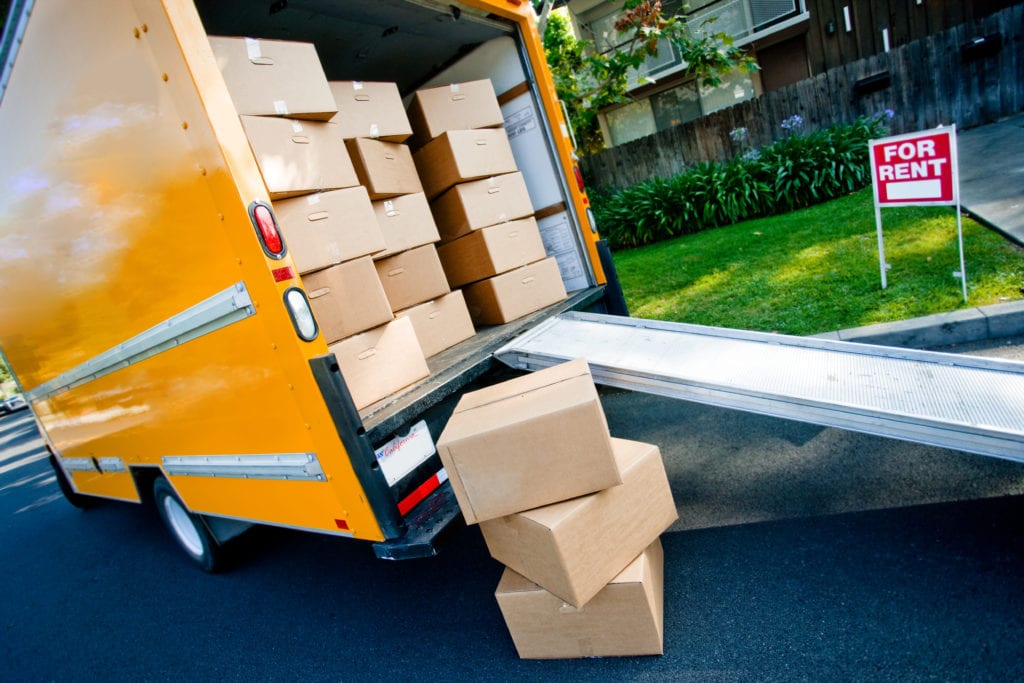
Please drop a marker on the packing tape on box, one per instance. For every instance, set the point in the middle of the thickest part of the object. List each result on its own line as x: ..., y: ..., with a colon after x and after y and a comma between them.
x: 313, y: 199
x: 374, y: 130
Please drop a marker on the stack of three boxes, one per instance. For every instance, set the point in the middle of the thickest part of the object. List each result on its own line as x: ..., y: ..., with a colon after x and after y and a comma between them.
x: 574, y: 514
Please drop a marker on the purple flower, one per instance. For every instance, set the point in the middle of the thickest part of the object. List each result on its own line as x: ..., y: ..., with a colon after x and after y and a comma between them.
x: 794, y: 122
x: 738, y: 134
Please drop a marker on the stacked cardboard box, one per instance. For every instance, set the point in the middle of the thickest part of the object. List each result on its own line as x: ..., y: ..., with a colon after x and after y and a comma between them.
x: 323, y: 164
x: 377, y: 126
x: 574, y: 514
x: 491, y: 246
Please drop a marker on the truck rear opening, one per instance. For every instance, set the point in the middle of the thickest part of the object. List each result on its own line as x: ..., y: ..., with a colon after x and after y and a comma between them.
x: 418, y: 45
x: 160, y: 326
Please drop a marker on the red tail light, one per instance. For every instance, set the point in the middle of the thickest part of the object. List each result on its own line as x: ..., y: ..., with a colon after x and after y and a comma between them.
x: 266, y: 229
x: 579, y: 178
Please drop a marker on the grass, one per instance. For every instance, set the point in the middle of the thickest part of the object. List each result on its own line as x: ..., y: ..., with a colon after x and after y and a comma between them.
x: 816, y: 270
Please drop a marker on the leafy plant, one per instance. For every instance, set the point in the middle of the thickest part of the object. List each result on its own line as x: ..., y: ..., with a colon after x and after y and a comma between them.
x: 587, y: 80
x: 797, y: 171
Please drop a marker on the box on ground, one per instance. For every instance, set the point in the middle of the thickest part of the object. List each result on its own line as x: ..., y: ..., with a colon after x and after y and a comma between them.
x: 379, y: 362
x: 347, y: 298
x: 298, y: 157
x: 461, y: 155
x: 491, y: 251
x: 459, y: 106
x: 406, y: 223
x: 528, y: 442
x: 385, y: 169
x: 440, y: 323
x: 480, y: 203
x: 506, y: 297
x: 626, y: 618
x: 370, y: 110
x: 574, y: 548
x: 274, y: 77
x: 412, y: 277
x: 326, y: 228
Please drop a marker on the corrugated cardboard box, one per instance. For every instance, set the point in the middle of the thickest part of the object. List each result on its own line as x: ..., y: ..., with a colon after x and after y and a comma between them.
x: 506, y: 297
x: 385, y: 169
x: 412, y: 277
x: 440, y: 323
x: 491, y: 251
x: 299, y: 157
x: 274, y: 78
x: 326, y: 228
x: 459, y: 106
x: 527, y: 442
x: 406, y: 222
x: 347, y: 298
x: 461, y: 155
x: 574, y: 548
x: 370, y: 110
x: 479, y: 203
x: 625, y: 619
x: 381, y: 361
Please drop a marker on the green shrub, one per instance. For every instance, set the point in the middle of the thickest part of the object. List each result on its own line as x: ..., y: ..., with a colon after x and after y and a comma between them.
x: 800, y: 170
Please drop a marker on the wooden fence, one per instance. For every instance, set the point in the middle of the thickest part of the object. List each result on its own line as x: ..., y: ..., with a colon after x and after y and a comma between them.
x: 943, y: 79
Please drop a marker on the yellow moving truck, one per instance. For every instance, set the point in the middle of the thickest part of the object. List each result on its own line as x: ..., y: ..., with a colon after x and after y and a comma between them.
x: 154, y: 316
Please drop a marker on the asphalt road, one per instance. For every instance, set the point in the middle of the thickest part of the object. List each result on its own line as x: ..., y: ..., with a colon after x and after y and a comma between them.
x: 801, y: 554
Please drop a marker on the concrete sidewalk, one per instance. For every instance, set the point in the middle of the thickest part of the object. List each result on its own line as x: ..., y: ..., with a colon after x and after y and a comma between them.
x: 992, y: 175
x: 943, y: 329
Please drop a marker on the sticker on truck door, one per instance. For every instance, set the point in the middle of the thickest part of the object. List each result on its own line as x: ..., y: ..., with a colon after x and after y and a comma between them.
x: 403, y: 454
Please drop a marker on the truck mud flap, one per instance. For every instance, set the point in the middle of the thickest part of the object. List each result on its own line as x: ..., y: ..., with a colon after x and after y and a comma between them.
x: 428, y: 525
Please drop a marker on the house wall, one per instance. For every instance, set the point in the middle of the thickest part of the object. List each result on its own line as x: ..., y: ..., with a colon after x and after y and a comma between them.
x: 939, y: 80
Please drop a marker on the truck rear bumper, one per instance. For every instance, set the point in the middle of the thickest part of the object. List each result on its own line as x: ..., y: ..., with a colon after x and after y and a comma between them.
x: 428, y: 525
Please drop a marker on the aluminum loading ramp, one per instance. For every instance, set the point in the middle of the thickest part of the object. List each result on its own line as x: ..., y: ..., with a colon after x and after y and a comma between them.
x: 965, y: 403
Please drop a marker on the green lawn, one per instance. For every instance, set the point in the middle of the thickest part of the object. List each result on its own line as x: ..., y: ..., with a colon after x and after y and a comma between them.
x: 816, y: 270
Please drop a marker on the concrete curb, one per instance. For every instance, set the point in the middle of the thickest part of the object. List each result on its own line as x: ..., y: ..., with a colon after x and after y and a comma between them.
x: 956, y: 327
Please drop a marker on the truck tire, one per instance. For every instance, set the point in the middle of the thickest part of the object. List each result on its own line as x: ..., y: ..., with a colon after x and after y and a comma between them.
x: 187, y: 528
x: 80, y: 501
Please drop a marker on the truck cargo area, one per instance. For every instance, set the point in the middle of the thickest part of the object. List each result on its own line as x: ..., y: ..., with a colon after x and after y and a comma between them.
x: 422, y: 44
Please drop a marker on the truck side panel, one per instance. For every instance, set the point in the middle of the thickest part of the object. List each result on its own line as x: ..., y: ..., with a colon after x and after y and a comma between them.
x: 127, y: 210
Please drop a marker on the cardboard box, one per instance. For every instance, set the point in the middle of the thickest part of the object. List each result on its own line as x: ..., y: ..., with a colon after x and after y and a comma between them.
x: 299, y: 157
x: 412, y: 277
x: 379, y: 362
x: 326, y: 228
x: 274, y: 78
x: 406, y: 223
x: 459, y: 106
x: 506, y: 297
x: 480, y: 203
x: 385, y: 169
x: 491, y: 251
x: 574, y: 548
x: 625, y: 619
x: 528, y: 442
x: 347, y: 298
x: 440, y: 323
x: 461, y: 155
x: 370, y: 110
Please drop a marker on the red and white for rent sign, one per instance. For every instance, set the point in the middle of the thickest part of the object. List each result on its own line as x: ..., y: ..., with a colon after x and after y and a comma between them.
x: 915, y: 169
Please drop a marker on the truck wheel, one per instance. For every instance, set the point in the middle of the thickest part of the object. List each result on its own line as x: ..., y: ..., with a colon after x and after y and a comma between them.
x: 77, y: 499
x: 187, y: 528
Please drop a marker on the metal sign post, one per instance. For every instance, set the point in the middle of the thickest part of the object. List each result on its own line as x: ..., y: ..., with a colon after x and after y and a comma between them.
x: 917, y: 169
